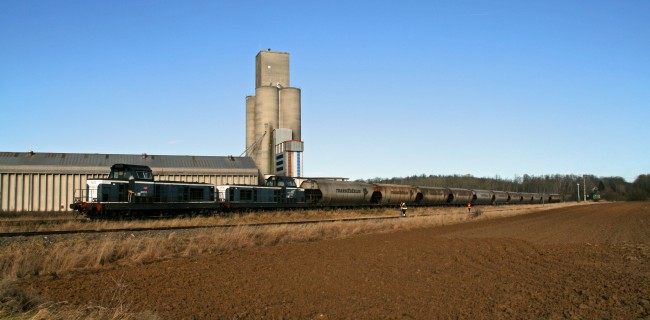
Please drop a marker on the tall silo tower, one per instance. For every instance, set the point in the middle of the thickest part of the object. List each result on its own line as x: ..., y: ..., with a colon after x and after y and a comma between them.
x: 275, y: 105
x: 272, y: 69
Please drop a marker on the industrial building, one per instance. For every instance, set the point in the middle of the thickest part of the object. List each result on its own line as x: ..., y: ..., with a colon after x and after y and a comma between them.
x: 45, y: 182
x: 273, y: 124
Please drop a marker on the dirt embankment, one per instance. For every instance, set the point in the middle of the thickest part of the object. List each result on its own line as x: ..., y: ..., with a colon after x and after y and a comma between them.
x: 581, y: 262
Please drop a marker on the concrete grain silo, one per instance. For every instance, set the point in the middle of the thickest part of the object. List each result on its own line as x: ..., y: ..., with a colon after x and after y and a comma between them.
x: 266, y: 120
x: 275, y: 105
x: 290, y: 110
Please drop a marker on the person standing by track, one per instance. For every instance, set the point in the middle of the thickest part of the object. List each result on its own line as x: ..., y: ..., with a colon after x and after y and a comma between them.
x: 403, y: 208
x: 469, y: 207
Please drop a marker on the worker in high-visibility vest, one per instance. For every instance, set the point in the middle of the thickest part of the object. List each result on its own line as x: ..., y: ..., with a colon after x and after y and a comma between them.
x: 469, y: 207
x: 403, y: 208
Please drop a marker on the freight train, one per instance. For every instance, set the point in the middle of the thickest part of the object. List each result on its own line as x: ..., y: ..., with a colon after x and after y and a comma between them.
x: 130, y: 190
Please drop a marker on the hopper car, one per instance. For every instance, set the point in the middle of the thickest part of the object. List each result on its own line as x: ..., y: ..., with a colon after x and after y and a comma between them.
x: 434, y: 196
x: 130, y: 190
x: 325, y: 193
x: 500, y: 197
x: 482, y: 197
x: 460, y: 196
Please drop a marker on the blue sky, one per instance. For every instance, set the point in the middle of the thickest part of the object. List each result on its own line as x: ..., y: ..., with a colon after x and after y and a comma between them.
x: 389, y: 88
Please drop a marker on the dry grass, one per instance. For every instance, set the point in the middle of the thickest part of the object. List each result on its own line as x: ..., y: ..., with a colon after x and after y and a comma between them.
x: 59, y: 223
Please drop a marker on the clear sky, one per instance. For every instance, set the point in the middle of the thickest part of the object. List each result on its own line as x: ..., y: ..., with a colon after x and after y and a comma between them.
x: 389, y: 88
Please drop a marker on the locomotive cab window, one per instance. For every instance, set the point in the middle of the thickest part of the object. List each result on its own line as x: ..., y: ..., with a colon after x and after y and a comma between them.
x: 144, y: 175
x: 117, y: 174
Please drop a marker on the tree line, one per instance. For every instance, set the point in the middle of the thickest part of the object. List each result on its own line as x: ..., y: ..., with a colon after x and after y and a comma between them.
x: 607, y: 188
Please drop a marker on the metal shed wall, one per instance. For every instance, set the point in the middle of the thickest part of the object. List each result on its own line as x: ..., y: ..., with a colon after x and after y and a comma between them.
x: 44, y: 182
x: 40, y: 192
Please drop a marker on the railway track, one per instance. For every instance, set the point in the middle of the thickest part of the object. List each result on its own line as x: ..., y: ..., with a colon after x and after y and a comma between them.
x: 219, y: 226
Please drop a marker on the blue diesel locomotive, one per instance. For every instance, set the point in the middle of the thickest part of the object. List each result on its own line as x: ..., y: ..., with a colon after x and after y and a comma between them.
x: 278, y: 192
x: 131, y: 190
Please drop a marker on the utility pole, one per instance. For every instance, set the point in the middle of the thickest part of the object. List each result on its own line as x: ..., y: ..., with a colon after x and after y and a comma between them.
x: 584, y: 187
x: 578, y: 192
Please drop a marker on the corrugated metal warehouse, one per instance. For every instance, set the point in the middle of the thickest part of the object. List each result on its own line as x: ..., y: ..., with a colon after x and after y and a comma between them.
x: 45, y: 182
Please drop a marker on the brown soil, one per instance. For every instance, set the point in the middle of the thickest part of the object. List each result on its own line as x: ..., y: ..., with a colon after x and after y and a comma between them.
x: 582, y: 262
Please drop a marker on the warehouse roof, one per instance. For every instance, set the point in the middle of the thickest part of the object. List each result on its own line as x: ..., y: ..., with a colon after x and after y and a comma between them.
x: 37, y: 162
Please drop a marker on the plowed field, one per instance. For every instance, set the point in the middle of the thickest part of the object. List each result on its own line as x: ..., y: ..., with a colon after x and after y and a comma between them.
x: 582, y: 262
